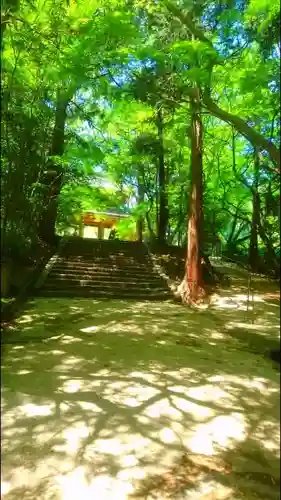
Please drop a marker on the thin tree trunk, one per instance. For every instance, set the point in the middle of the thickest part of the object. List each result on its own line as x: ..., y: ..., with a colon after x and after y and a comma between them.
x: 140, y: 222
x: 253, y: 248
x: 5, y: 18
x: 150, y: 228
x: 4, y: 217
x: 181, y: 217
x: 271, y: 256
x: 176, y: 234
x: 163, y: 205
x: 4, y: 21
x: 54, y: 174
x: 140, y: 230
x: 192, y: 286
x: 156, y: 198
x: 229, y: 243
x: 177, y: 231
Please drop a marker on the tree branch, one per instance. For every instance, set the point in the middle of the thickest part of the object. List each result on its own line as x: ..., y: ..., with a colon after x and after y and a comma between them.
x: 187, y: 21
x: 241, y: 125
x: 236, y: 216
x: 244, y: 129
x: 272, y: 124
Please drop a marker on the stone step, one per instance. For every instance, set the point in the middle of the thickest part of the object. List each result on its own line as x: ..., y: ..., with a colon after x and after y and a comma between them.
x: 109, y: 271
x: 105, y: 251
x: 106, y: 284
x: 132, y: 247
x: 100, y: 258
x: 100, y: 261
x: 93, y: 273
x: 104, y: 294
x: 76, y: 240
x: 84, y: 242
x: 106, y: 266
x: 104, y: 269
x: 106, y: 276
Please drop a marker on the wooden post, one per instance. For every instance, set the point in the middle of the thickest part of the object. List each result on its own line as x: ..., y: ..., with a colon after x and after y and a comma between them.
x: 100, y: 231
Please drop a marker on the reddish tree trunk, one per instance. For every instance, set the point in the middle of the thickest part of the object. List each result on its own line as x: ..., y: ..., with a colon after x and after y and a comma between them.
x: 192, y: 286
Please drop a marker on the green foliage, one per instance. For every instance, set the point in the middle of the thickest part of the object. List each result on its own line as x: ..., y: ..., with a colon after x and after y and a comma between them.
x: 126, y: 229
x: 117, y: 68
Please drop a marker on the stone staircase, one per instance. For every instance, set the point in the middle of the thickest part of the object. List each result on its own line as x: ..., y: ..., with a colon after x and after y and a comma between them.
x: 103, y: 269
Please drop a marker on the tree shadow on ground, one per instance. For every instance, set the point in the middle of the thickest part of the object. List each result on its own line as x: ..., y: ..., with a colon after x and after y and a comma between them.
x: 256, y: 319
x: 241, y: 472
x: 97, y: 396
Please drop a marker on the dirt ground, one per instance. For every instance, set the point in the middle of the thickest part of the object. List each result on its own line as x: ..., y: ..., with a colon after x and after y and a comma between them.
x: 122, y: 399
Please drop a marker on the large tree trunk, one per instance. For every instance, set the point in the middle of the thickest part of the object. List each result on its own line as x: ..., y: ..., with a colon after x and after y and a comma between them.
x: 54, y: 175
x: 163, y: 203
x: 253, y: 248
x: 191, y: 289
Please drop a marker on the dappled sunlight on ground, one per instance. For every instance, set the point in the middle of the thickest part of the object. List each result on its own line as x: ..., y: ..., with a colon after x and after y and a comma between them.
x: 100, y: 399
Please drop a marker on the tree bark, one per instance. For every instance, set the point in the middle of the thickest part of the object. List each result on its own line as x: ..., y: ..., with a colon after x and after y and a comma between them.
x: 53, y: 177
x: 163, y: 203
x: 192, y: 286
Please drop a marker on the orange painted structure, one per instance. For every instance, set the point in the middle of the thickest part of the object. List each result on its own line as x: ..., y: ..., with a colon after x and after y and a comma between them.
x: 100, y: 220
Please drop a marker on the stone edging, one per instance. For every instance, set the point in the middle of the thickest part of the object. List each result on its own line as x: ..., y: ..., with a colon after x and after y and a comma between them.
x: 50, y: 264
x: 11, y: 309
x: 159, y: 270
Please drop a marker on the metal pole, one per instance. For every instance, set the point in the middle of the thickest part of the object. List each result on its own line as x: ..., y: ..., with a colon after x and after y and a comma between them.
x: 250, y: 296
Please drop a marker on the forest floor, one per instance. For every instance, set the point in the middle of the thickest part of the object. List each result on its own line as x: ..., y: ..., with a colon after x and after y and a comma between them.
x: 123, y: 399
